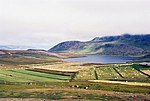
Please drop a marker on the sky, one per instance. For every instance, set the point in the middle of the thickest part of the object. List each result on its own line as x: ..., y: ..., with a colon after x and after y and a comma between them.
x: 44, y: 23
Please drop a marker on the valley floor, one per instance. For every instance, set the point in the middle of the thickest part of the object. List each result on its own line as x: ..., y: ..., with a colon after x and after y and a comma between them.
x: 56, y: 91
x: 53, y: 79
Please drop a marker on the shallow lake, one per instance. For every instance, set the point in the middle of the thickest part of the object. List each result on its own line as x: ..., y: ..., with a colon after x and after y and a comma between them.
x: 101, y: 59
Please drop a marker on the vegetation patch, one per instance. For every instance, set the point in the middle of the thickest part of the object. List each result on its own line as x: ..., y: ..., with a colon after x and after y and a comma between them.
x: 21, y: 76
x: 41, y: 74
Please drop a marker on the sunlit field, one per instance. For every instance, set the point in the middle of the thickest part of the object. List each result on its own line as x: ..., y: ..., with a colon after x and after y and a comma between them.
x: 67, y: 80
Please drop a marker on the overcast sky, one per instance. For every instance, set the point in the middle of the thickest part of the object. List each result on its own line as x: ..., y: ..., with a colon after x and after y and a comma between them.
x: 44, y: 23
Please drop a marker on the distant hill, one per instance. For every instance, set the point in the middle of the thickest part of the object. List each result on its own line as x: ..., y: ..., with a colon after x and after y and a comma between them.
x: 110, y: 45
x: 14, y: 47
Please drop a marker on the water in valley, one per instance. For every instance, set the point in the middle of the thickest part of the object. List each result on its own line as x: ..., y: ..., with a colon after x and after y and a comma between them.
x: 101, y: 59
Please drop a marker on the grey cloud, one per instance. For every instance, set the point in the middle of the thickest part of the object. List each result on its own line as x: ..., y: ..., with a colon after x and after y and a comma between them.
x: 46, y: 22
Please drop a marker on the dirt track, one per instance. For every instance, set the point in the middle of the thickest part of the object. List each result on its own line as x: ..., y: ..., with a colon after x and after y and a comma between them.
x: 121, y: 82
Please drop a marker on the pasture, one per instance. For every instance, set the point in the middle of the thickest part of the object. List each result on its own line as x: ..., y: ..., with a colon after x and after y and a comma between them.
x: 113, y: 72
x: 19, y: 75
x: 82, y: 81
x: 66, y: 71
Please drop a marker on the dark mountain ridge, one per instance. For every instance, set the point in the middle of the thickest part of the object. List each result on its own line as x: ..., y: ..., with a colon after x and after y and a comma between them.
x: 110, y: 45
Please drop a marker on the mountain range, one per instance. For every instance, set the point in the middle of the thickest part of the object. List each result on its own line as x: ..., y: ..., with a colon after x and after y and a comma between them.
x: 125, y: 45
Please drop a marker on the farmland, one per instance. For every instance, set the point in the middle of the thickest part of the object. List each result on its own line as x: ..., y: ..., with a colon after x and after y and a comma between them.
x: 112, y: 72
x: 66, y: 71
x: 29, y: 76
x: 55, y: 79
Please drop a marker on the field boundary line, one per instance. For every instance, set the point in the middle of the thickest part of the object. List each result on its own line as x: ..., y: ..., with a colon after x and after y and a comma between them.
x: 140, y: 70
x: 117, y: 72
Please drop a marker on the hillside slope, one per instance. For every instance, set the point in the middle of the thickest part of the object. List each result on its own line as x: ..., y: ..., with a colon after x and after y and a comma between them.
x: 111, y: 45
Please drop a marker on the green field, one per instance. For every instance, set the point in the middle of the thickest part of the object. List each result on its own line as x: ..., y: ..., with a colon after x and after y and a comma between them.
x: 45, y: 75
x: 112, y: 72
x: 64, y: 90
x: 90, y: 82
x: 108, y: 72
x: 30, y: 76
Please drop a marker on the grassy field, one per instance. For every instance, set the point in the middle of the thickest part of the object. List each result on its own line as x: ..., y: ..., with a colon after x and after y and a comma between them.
x: 25, y: 91
x: 57, y: 80
x: 62, y: 71
x: 30, y: 76
x: 75, y: 90
x: 113, y: 72
x: 45, y: 75
x: 26, y: 59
